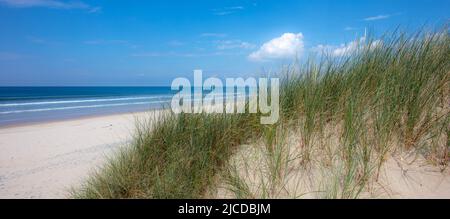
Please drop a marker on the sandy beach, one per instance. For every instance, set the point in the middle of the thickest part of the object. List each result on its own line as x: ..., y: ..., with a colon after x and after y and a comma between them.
x: 44, y: 160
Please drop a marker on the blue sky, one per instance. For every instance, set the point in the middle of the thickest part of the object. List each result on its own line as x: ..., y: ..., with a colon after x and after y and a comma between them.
x: 133, y: 42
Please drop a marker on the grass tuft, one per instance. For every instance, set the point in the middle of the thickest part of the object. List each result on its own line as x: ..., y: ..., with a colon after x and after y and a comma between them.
x: 346, y: 116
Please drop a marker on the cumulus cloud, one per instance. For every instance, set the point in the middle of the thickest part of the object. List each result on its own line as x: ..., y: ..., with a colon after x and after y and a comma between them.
x: 346, y: 48
x: 287, y: 45
x: 55, y: 4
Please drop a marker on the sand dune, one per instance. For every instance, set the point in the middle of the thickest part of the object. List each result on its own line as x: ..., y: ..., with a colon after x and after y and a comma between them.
x: 44, y: 160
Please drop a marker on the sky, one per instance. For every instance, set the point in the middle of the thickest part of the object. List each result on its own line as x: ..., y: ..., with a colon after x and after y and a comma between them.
x: 150, y: 43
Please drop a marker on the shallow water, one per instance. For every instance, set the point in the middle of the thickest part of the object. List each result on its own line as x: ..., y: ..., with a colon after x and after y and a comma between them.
x: 37, y: 104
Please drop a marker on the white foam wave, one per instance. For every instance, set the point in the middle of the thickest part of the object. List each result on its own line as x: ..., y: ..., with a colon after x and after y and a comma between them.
x: 81, y: 101
x: 102, y: 105
x: 79, y: 107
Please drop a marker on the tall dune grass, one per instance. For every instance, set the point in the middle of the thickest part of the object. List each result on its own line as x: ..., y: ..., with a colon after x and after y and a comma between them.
x: 349, y: 114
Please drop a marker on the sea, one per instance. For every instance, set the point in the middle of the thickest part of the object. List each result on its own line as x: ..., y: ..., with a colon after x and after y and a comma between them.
x: 37, y: 104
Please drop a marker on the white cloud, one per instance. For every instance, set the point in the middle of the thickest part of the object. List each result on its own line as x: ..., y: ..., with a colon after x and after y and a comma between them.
x: 347, y: 48
x: 382, y: 16
x: 288, y: 45
x: 55, y: 4
x: 349, y: 28
x: 378, y: 17
x: 233, y: 44
x: 227, y: 10
x: 235, y: 8
x: 95, y: 9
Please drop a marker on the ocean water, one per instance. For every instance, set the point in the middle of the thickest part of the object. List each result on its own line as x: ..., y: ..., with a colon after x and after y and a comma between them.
x: 37, y: 104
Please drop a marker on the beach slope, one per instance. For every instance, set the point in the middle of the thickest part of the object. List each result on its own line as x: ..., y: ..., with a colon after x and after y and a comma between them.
x: 44, y: 160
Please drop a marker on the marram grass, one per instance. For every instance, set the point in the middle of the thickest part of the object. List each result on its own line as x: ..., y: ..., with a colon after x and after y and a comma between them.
x: 393, y: 95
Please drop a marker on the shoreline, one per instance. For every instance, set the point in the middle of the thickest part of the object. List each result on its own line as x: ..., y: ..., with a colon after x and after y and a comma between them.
x: 80, y: 117
x: 45, y: 159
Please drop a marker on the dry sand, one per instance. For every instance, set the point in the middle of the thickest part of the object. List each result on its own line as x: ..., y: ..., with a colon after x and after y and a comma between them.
x: 44, y: 160
x: 402, y: 176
